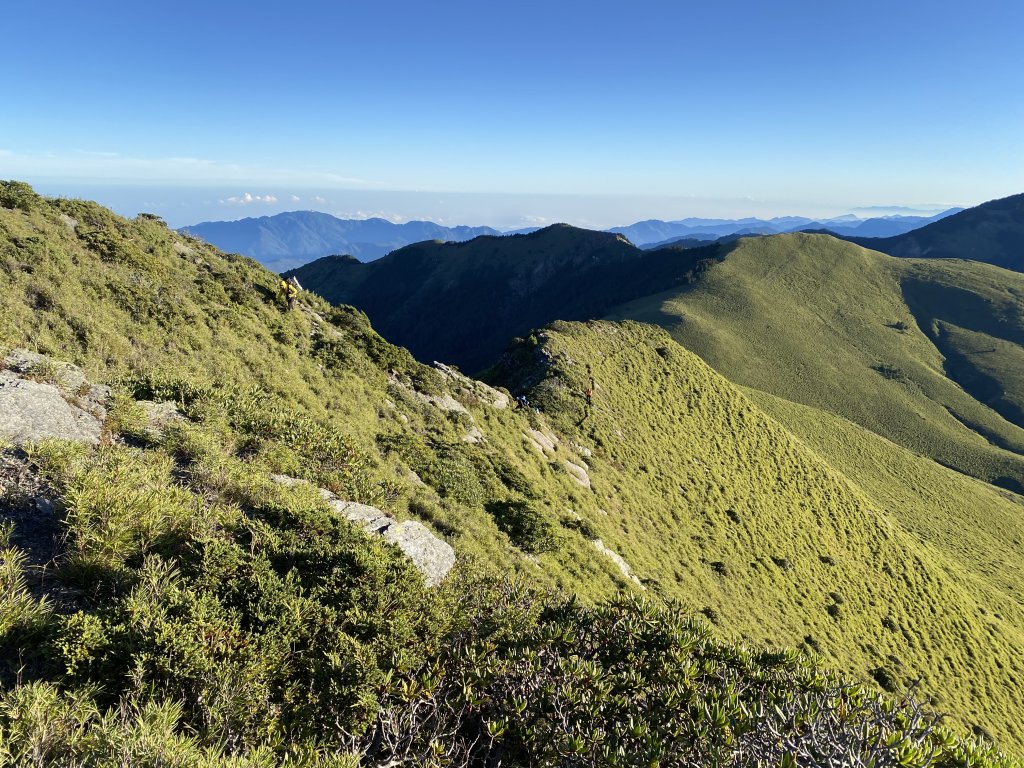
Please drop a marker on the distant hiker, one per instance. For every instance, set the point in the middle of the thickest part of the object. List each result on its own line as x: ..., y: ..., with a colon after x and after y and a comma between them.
x: 522, y: 401
x: 589, y: 393
x: 288, y: 292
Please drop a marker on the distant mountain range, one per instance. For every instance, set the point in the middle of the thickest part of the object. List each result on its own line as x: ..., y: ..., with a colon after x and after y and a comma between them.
x: 655, y: 233
x: 288, y: 240
x: 884, y: 342
x: 992, y: 232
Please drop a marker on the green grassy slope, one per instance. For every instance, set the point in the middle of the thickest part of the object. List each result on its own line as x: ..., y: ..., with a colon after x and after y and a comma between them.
x: 979, y: 526
x: 826, y: 323
x: 275, y: 619
x: 462, y: 302
x: 718, y: 505
x: 992, y: 232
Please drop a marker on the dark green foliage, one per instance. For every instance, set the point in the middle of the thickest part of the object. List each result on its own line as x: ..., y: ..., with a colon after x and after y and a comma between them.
x: 273, y: 619
x: 18, y: 195
x: 633, y: 683
x: 438, y: 301
x: 528, y: 525
x: 452, y: 468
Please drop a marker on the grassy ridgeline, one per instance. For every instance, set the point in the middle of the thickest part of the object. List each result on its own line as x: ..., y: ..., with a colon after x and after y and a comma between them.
x: 202, y: 609
x: 728, y: 512
x: 883, y: 342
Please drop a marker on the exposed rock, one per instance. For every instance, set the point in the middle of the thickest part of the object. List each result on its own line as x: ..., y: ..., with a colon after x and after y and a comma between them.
x: 616, y: 558
x: 578, y: 473
x: 65, y: 375
x: 541, y: 441
x: 445, y: 402
x: 476, y: 389
x: 31, y: 411
x: 431, y: 556
x: 291, y: 482
x: 160, y: 415
x: 95, y: 400
x: 474, y: 436
x: 69, y: 378
x: 370, y: 519
x: 582, y: 450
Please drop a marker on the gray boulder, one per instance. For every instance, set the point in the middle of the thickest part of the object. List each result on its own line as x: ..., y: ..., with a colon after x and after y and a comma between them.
x: 431, y: 556
x: 68, y: 378
x: 159, y: 416
x: 31, y: 411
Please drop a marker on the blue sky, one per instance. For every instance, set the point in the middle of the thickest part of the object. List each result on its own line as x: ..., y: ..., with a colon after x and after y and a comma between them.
x: 595, y: 112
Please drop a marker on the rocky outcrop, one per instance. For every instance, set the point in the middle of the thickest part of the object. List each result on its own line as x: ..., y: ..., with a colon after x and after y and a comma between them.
x: 618, y: 560
x: 477, y: 390
x: 577, y: 472
x: 445, y: 402
x: 31, y: 411
x: 42, y: 398
x: 159, y: 416
x: 431, y: 556
x: 544, y: 443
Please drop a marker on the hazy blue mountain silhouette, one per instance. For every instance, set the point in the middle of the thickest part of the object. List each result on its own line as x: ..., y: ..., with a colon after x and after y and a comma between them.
x: 290, y: 239
x: 655, y: 232
x: 992, y: 232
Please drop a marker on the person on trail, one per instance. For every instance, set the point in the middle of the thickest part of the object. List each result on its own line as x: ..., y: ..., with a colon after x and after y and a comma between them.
x: 589, y: 393
x: 288, y: 293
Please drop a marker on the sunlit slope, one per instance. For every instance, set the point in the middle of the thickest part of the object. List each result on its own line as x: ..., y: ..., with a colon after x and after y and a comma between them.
x: 714, y: 502
x: 705, y: 497
x: 829, y: 324
x: 979, y: 526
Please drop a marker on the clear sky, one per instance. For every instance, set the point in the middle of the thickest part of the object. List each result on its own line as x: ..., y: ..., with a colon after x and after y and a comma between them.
x: 595, y: 112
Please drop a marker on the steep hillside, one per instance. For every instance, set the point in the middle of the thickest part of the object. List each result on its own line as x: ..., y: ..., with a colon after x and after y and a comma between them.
x: 463, y: 302
x: 211, y: 603
x: 286, y: 240
x: 703, y: 484
x: 992, y: 232
x: 890, y: 344
x: 925, y: 353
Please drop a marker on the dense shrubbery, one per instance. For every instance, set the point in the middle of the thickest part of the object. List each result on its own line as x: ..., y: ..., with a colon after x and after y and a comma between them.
x: 18, y: 195
x: 519, y: 679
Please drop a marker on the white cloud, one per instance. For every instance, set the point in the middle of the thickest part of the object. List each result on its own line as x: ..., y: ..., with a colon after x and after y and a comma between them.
x: 296, y: 199
x: 318, y: 199
x: 248, y: 199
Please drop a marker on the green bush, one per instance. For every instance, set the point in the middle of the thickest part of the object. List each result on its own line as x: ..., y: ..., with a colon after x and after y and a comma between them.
x: 19, y: 196
x: 529, y: 527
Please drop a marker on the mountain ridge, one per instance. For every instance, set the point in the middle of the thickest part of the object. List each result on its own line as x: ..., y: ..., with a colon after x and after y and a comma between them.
x: 202, y: 557
x: 287, y: 240
x: 992, y: 233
